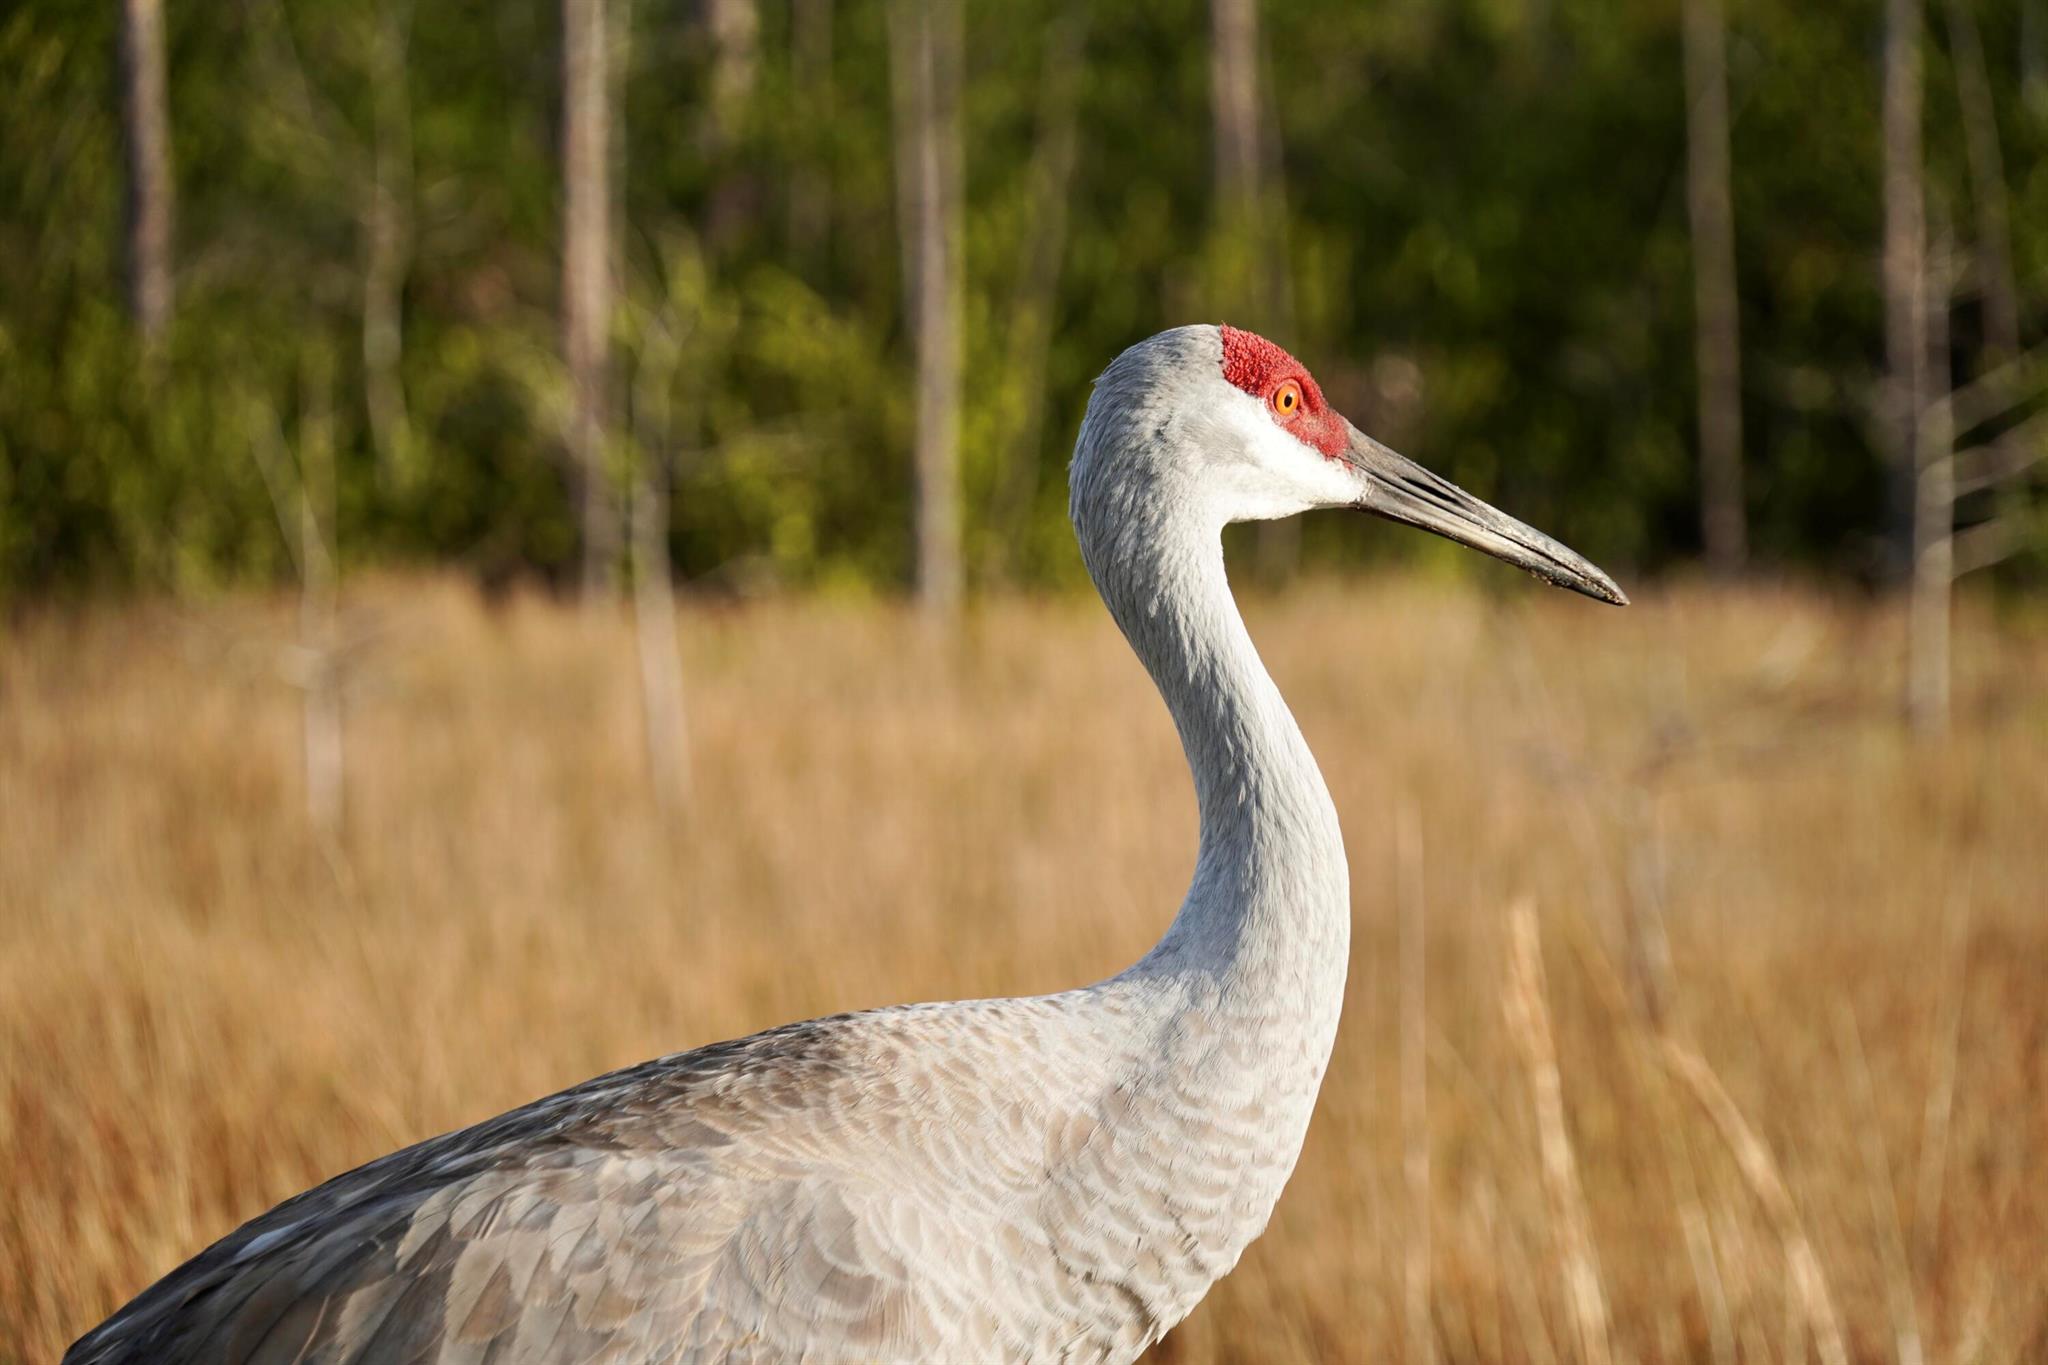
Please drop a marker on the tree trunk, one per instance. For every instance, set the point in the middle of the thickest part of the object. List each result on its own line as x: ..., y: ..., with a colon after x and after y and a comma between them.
x: 319, y: 643
x: 1987, y: 186
x: 1996, y: 283
x: 301, y: 485
x: 1934, y: 501
x: 1717, y: 321
x: 2034, y: 54
x: 1032, y: 308
x: 654, y: 622
x: 810, y: 77
x: 586, y: 281
x: 146, y: 123
x: 1255, y: 290
x: 927, y: 51
x: 735, y: 27
x: 654, y: 606
x: 387, y: 243
x: 1234, y: 106
x: 1905, y: 295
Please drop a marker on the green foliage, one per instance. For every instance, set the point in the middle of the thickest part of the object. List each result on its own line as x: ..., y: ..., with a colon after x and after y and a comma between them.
x: 1485, y: 246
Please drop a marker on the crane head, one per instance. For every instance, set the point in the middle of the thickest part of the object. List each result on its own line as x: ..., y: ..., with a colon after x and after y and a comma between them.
x: 1229, y: 419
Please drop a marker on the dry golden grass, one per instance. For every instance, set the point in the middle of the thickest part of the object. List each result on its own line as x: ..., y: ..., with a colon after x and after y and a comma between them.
x: 203, y: 1010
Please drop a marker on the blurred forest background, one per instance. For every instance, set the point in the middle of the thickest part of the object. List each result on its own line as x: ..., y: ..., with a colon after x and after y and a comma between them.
x: 485, y: 281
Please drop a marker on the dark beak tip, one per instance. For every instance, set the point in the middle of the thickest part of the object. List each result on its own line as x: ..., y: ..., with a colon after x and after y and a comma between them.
x: 1595, y: 585
x: 1398, y: 489
x: 1592, y: 583
x: 1580, y: 577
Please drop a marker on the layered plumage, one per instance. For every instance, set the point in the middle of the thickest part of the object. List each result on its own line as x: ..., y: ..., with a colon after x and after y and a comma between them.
x: 1051, y: 1178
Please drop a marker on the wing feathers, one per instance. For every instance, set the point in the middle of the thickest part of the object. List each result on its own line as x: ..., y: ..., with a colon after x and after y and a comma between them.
x: 861, y: 1180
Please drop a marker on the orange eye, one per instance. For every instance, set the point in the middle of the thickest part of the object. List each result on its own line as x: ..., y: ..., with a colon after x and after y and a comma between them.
x: 1287, y: 399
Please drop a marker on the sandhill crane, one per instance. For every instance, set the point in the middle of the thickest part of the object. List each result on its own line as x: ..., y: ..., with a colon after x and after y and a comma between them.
x: 1052, y: 1178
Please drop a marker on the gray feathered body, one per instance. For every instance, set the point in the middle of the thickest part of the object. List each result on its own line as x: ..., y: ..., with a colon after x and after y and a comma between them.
x: 999, y: 1179
x: 1052, y: 1178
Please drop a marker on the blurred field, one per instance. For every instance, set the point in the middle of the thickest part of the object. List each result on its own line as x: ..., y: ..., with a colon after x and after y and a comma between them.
x: 202, y: 1009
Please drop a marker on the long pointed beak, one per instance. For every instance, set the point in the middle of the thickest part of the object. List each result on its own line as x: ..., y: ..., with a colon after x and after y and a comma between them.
x: 1401, y: 490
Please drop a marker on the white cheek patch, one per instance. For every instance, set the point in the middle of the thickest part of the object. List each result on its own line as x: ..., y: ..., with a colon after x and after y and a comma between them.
x: 1285, y: 474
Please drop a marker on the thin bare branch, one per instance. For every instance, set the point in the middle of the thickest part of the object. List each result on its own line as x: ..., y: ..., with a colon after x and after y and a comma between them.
x: 2019, y: 381
x: 2017, y: 450
x: 1985, y: 544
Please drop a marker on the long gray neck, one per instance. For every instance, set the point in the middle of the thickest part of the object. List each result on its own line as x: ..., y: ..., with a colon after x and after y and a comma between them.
x: 1268, y: 911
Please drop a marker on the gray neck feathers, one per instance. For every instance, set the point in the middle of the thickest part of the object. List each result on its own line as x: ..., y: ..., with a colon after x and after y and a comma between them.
x: 1268, y: 911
